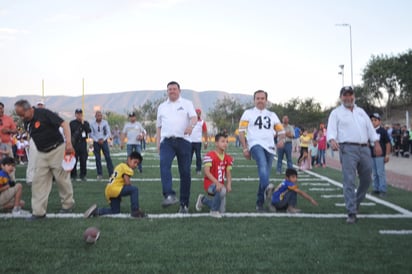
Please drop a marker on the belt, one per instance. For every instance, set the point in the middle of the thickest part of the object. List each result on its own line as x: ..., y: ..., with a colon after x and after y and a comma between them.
x: 354, y: 144
x: 173, y: 138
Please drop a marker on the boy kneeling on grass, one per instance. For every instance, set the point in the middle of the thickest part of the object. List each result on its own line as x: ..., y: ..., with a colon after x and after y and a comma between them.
x: 120, y: 186
x: 10, y: 192
x: 217, y: 167
x: 284, y: 197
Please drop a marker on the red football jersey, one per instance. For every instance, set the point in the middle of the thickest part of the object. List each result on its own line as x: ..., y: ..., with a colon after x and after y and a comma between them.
x: 218, y: 165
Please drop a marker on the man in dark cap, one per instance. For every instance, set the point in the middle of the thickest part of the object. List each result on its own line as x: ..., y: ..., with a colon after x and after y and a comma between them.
x: 80, y: 130
x: 350, y: 131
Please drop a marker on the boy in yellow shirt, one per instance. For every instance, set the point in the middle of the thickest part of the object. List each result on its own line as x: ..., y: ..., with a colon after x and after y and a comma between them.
x: 118, y: 187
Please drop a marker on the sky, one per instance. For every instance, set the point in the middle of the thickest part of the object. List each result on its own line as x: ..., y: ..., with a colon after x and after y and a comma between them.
x: 291, y: 49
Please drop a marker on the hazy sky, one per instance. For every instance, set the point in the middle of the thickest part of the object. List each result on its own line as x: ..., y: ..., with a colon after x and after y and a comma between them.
x: 288, y: 48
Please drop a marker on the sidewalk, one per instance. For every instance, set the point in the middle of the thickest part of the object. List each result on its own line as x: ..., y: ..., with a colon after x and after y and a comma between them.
x: 398, y: 170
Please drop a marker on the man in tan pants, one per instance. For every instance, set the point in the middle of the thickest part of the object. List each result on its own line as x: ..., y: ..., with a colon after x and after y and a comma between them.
x: 43, y: 126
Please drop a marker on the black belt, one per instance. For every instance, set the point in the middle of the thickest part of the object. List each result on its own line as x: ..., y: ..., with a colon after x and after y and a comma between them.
x: 354, y: 144
x: 50, y: 148
x: 173, y: 138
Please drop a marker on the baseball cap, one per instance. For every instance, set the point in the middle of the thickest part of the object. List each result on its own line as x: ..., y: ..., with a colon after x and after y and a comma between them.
x: 346, y: 89
x: 40, y: 102
x: 132, y: 114
x: 198, y: 110
x: 375, y: 115
x: 78, y: 110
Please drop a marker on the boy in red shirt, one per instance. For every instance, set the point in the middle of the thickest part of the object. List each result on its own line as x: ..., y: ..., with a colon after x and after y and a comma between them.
x: 217, y: 167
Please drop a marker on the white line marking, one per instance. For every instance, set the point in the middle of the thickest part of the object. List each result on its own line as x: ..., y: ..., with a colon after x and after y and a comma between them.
x: 314, y: 184
x: 395, y: 232
x: 332, y: 196
x: 362, y: 204
x: 322, y: 189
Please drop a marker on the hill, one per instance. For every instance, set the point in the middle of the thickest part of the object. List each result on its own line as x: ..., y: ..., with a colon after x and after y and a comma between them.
x: 122, y: 102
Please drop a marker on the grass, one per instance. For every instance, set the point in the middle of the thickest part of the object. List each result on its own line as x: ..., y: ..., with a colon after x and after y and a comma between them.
x: 275, y: 244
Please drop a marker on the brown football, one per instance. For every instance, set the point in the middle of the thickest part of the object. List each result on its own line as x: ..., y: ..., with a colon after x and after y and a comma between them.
x: 91, y: 235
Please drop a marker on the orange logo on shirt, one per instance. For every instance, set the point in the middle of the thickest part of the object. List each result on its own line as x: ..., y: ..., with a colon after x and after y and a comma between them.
x: 37, y: 124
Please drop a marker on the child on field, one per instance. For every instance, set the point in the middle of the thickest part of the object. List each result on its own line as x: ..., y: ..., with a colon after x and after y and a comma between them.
x: 120, y: 186
x: 217, y: 167
x: 10, y: 192
x: 322, y: 146
x: 313, y: 152
x: 284, y: 196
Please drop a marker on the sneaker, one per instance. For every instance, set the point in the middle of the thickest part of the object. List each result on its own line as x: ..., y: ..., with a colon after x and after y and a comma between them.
x: 269, y: 191
x: 78, y: 179
x: 66, y: 210
x: 293, y: 210
x: 382, y: 194
x: 198, y: 172
x: 272, y: 208
x: 351, y: 218
x: 375, y: 192
x: 215, y: 214
x: 99, y: 177
x: 183, y: 210
x: 199, y: 203
x: 91, y: 212
x: 36, y: 218
x: 260, y: 209
x: 169, y: 200
x: 20, y: 212
x: 138, y: 214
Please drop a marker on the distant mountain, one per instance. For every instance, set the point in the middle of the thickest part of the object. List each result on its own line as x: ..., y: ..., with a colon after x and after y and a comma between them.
x: 122, y: 102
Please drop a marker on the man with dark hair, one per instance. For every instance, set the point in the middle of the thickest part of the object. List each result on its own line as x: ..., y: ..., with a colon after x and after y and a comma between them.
x: 80, y: 130
x: 176, y: 118
x: 43, y: 126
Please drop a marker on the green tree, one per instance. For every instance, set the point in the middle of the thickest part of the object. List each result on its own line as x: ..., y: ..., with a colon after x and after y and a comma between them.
x: 115, y: 119
x: 226, y: 114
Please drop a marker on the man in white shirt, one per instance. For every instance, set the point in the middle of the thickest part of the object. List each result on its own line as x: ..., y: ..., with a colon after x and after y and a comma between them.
x: 176, y: 118
x: 260, y: 124
x: 351, y: 132
x: 199, y: 132
x: 134, y: 132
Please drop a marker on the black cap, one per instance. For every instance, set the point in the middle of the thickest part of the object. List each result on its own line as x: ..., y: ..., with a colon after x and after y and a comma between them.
x: 78, y: 110
x: 347, y: 89
x: 375, y: 115
x: 132, y: 114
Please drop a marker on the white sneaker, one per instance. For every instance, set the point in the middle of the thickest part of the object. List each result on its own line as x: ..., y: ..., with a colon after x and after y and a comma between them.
x: 199, y: 203
x: 215, y: 214
x: 269, y: 191
x: 20, y: 212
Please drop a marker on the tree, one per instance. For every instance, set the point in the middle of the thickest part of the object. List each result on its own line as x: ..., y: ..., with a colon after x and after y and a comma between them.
x: 226, y: 114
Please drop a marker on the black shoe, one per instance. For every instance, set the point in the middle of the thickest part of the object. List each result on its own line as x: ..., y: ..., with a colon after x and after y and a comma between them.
x: 138, y: 214
x: 36, y: 218
x: 351, y: 219
x: 183, y: 209
x: 261, y: 209
x: 375, y: 192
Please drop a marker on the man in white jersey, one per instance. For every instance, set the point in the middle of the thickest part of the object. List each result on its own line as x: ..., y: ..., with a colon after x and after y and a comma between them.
x: 351, y: 132
x: 176, y: 118
x: 259, y: 125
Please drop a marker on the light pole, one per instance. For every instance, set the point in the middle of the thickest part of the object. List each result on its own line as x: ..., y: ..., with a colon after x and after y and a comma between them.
x: 341, y: 72
x: 350, y: 40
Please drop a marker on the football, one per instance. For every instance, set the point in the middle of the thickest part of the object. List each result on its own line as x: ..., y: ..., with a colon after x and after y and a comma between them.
x: 91, y: 235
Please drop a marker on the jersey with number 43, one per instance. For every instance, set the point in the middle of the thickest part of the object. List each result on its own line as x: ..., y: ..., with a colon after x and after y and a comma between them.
x: 218, y: 165
x: 116, y: 182
x: 260, y: 127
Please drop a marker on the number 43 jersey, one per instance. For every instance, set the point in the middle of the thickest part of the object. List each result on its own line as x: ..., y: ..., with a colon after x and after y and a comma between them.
x: 260, y: 127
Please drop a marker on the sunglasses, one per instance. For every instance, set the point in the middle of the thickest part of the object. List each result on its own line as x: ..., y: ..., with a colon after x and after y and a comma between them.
x: 98, y: 128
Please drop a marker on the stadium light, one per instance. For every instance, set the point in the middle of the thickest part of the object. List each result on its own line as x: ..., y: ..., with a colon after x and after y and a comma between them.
x: 341, y: 72
x: 350, y: 40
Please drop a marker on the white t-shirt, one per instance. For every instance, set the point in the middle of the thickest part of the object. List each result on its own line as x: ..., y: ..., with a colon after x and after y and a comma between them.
x: 133, y: 131
x: 260, y: 127
x: 174, y: 117
x: 197, y: 132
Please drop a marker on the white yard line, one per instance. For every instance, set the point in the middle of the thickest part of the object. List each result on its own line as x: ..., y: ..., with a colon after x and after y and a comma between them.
x: 395, y: 232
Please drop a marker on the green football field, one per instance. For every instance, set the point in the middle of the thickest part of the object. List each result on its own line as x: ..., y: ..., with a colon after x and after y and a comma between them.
x: 243, y: 241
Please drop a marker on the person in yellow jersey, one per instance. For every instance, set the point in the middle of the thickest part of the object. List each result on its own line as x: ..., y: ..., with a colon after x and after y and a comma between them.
x: 260, y: 124
x: 118, y: 187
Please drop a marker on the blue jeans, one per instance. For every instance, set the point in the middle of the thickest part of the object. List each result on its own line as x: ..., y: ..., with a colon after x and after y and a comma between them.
x: 196, y: 148
x: 218, y: 200
x: 182, y: 149
x: 321, y: 157
x: 127, y: 190
x: 134, y: 147
x: 264, y: 161
x: 290, y: 199
x: 106, y: 152
x: 286, y: 150
x: 378, y: 174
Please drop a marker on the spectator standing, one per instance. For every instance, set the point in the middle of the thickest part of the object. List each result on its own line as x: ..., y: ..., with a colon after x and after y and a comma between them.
x: 304, y: 144
x: 116, y: 136
x: 404, y: 143
x: 296, y: 139
x: 260, y: 124
x: 199, y: 133
x: 134, y: 132
x: 43, y: 126
x: 80, y: 130
x: 287, y: 148
x: 100, y: 134
x: 353, y: 146
x: 7, y: 129
x: 176, y: 118
x: 313, y: 153
x: 322, y: 146
x: 396, y: 136
x: 378, y: 162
